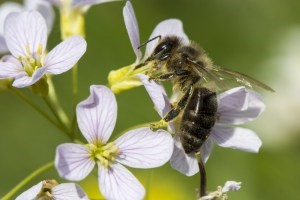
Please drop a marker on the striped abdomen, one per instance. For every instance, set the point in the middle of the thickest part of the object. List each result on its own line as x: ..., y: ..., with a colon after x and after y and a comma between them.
x: 198, y: 118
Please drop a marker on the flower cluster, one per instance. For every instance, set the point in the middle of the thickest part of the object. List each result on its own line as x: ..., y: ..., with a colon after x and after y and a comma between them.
x: 30, y: 65
x: 25, y: 34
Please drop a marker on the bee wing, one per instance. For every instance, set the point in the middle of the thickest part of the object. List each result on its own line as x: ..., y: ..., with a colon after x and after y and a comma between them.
x: 238, y: 78
x: 223, y: 79
x: 211, y: 79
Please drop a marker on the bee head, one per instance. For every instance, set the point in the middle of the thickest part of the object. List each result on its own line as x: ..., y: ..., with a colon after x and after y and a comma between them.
x: 165, y: 48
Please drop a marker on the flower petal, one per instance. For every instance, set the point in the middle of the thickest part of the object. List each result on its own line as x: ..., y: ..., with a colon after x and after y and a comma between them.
x: 44, y: 7
x: 143, y: 148
x: 68, y: 191
x: 3, y: 46
x: 11, y: 70
x: 5, y: 9
x: 170, y: 27
x: 182, y: 162
x: 132, y: 29
x: 11, y: 59
x: 119, y: 183
x: 25, y: 31
x: 65, y: 55
x: 236, y: 138
x: 54, y: 2
x: 73, y: 161
x: 31, y: 193
x: 157, y: 94
x: 97, y: 114
x: 24, y: 81
x: 206, y: 149
x: 231, y: 186
x: 239, y: 105
x: 80, y: 3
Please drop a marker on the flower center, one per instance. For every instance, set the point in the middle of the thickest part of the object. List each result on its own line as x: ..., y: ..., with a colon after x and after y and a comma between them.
x: 104, y: 154
x: 31, y: 62
x: 46, y: 193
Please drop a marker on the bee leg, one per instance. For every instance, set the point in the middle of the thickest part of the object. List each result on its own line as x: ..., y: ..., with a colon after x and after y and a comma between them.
x: 169, y: 76
x: 174, y: 112
x: 163, y: 77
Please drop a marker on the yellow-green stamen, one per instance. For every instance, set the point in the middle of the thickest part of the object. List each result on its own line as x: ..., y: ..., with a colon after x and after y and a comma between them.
x: 104, y: 154
x: 46, y: 191
x: 32, y: 62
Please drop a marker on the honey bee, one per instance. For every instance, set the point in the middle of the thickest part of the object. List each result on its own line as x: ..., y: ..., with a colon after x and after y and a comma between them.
x: 196, y: 80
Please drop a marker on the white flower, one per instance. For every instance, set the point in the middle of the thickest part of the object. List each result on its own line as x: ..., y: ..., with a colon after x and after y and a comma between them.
x: 231, y: 186
x: 25, y: 34
x: 79, y: 3
x: 235, y: 106
x: 220, y: 193
x: 8, y: 7
x: 51, y: 189
x: 125, y: 78
x: 138, y: 148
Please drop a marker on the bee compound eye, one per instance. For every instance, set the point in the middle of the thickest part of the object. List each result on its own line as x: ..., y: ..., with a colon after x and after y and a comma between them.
x: 162, y: 48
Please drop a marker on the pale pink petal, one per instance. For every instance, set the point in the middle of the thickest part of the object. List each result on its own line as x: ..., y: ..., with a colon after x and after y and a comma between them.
x: 5, y: 9
x: 236, y: 138
x: 235, y: 98
x: 54, y: 2
x: 206, y: 149
x: 26, y: 80
x: 73, y: 161
x: 132, y: 29
x: 11, y: 70
x: 44, y: 7
x: 25, y: 31
x: 80, y: 3
x: 157, y: 94
x: 170, y: 27
x: 231, y: 186
x: 3, y: 46
x: 143, y: 148
x: 182, y: 162
x: 97, y: 114
x: 118, y: 183
x: 239, y: 105
x: 68, y: 191
x: 65, y: 55
x: 11, y: 59
x: 31, y: 193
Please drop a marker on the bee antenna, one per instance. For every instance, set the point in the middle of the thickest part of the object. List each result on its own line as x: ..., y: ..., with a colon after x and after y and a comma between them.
x: 150, y: 40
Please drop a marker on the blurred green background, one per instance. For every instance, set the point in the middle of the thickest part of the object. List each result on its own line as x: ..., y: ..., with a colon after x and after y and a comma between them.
x: 258, y: 37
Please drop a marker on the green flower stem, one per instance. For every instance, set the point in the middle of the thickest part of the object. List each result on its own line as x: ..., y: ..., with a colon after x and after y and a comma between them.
x: 75, y: 97
x: 75, y: 85
x: 35, y: 107
x: 55, y: 113
x: 26, y: 180
x: 57, y: 106
x: 202, y: 175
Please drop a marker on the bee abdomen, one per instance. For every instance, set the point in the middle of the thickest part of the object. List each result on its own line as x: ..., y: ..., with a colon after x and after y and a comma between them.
x: 198, y: 118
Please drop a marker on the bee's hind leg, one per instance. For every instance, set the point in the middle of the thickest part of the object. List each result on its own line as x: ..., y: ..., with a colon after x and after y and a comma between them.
x: 174, y: 112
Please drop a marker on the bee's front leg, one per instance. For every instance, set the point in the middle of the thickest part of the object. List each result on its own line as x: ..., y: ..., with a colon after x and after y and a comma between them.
x: 164, y: 77
x: 174, y: 112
